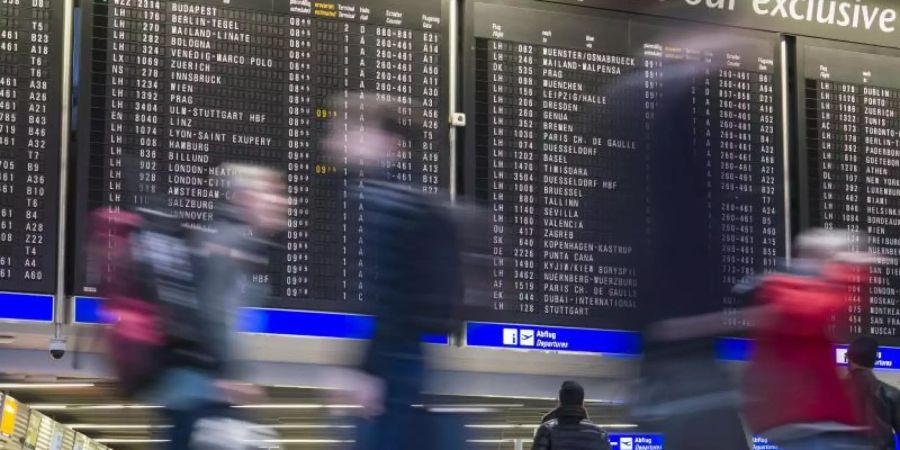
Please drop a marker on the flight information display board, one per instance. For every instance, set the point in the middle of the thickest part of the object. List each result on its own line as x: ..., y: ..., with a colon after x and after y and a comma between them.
x: 631, y: 165
x: 183, y: 86
x: 31, y: 42
x: 850, y: 106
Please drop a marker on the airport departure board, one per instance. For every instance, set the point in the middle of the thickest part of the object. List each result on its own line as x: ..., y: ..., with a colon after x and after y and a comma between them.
x: 850, y: 102
x: 31, y: 42
x: 630, y: 165
x: 182, y: 86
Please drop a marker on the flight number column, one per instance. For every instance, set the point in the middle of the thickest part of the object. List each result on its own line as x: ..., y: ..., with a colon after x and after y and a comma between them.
x: 147, y: 105
x: 37, y: 149
x: 299, y: 146
x: 513, y: 119
x: 849, y: 181
x: 524, y: 164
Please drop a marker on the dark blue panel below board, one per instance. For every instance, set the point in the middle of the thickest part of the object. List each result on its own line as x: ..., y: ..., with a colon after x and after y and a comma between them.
x: 764, y: 444
x: 27, y: 307
x: 277, y: 322
x: 638, y: 441
x: 539, y: 337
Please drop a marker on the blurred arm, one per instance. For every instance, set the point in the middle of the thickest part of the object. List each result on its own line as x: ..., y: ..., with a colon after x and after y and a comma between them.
x: 712, y: 324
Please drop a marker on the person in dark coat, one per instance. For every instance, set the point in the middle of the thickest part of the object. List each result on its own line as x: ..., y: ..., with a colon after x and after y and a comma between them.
x: 877, y: 401
x: 410, y: 272
x: 567, y: 427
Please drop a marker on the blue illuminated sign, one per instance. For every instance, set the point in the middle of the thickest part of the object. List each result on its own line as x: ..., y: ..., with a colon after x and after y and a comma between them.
x: 87, y: 311
x: 538, y: 337
x: 760, y: 443
x: 28, y: 307
x: 622, y: 441
x: 278, y: 322
x: 888, y: 357
x: 734, y: 349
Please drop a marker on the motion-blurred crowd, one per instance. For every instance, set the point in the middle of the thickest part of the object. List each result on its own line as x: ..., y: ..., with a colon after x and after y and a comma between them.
x: 174, y: 294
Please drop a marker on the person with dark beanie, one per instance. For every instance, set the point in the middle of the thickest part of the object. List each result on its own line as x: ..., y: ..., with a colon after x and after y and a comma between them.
x: 567, y: 427
x: 877, y: 401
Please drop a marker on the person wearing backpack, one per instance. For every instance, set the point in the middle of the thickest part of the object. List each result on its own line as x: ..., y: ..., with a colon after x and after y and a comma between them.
x: 877, y: 401
x: 568, y: 427
x: 174, y: 295
x: 226, y: 258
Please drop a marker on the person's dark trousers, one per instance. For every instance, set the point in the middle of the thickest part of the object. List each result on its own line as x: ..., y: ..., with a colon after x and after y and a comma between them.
x: 400, y: 426
x: 184, y: 420
x: 828, y: 441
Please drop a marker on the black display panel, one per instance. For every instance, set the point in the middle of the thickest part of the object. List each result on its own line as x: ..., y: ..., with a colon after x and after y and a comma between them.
x: 31, y: 42
x: 850, y: 109
x: 632, y: 166
x: 185, y: 85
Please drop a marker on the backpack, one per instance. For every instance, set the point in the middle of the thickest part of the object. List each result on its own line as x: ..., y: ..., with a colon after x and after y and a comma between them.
x: 134, y: 338
x: 150, y: 297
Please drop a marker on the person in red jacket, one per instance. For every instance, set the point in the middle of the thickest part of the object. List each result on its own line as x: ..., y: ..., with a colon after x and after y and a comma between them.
x: 794, y: 392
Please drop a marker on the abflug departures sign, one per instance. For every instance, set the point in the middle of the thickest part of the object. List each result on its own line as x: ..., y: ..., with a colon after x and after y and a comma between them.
x: 863, y: 21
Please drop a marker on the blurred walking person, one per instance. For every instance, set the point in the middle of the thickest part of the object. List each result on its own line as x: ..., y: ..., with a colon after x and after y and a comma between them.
x: 175, y: 294
x: 795, y: 395
x: 568, y: 427
x: 683, y: 391
x: 410, y: 273
x: 236, y: 247
x: 877, y: 401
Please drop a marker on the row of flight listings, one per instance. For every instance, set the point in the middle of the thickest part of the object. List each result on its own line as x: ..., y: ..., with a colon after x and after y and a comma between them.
x: 618, y: 158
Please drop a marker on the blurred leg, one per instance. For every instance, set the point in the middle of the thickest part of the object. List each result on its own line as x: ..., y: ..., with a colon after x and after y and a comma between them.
x: 182, y: 422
